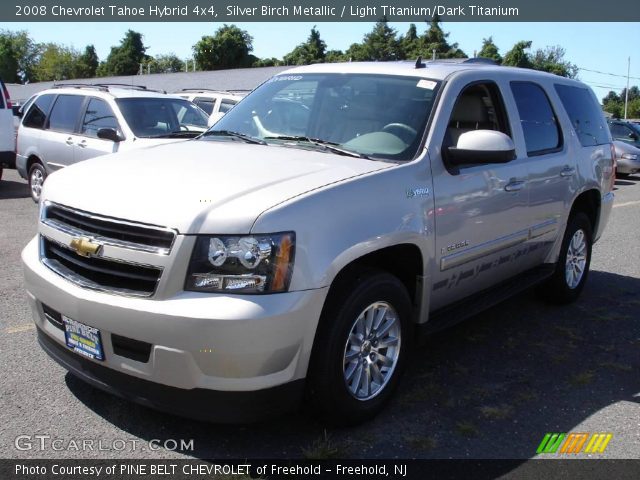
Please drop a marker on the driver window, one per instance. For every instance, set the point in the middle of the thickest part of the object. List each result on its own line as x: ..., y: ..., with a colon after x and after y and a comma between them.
x: 478, y: 107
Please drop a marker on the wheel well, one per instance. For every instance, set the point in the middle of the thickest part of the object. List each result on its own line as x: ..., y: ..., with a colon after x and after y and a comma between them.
x: 589, y: 203
x: 31, y: 160
x: 403, y: 261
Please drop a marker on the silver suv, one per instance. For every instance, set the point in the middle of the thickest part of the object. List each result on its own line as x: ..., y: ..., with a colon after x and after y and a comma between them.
x: 72, y: 123
x: 7, y: 137
x: 297, y: 247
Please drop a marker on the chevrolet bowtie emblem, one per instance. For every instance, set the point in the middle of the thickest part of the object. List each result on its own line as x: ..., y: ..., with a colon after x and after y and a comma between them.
x: 84, y: 247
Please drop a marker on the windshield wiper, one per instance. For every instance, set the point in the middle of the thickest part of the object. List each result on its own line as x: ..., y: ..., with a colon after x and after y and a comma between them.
x: 229, y: 133
x: 327, y: 145
x: 176, y: 134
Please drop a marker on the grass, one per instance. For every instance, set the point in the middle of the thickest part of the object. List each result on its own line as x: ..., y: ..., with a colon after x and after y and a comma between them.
x: 496, y: 412
x: 467, y: 429
x: 581, y: 379
x: 323, y: 448
x: 421, y: 442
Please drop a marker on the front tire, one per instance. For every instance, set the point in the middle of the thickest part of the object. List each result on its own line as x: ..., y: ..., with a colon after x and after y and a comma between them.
x: 37, y: 176
x: 572, y: 268
x: 360, y: 349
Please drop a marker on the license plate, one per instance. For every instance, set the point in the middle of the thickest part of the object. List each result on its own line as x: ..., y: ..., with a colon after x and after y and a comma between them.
x: 83, y: 339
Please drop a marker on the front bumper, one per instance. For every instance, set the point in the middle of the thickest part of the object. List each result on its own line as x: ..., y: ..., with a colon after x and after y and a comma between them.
x: 626, y: 166
x: 200, y: 343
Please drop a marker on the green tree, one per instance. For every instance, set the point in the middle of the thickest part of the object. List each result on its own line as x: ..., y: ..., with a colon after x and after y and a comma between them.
x: 551, y: 59
x: 56, y: 62
x: 490, y: 50
x: 229, y: 47
x: 435, y: 39
x: 381, y: 44
x: 18, y: 48
x: 517, y: 57
x: 266, y: 62
x: 334, y: 56
x: 169, y: 63
x: 311, y: 51
x: 125, y: 59
x: 87, y: 63
x: 410, y: 43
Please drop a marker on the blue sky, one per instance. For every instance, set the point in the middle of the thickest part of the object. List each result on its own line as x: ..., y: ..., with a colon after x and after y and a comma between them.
x: 595, y: 46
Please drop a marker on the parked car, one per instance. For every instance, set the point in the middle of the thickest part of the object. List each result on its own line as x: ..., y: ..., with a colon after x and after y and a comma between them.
x: 72, y: 123
x: 627, y: 158
x: 7, y: 137
x: 624, y: 131
x: 269, y: 261
x: 214, y: 102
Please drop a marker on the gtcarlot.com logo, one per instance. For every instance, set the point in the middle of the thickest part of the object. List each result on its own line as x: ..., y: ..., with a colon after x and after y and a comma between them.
x: 47, y: 442
x: 574, y: 443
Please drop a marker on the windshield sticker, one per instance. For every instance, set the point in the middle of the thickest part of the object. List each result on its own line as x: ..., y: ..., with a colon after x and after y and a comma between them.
x: 286, y: 78
x: 428, y: 84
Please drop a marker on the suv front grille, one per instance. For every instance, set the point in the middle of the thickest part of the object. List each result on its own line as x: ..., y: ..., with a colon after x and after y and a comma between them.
x: 109, y: 231
x: 109, y: 273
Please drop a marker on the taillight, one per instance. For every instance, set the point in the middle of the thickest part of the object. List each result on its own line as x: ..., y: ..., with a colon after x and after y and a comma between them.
x: 6, y: 95
x: 613, y: 167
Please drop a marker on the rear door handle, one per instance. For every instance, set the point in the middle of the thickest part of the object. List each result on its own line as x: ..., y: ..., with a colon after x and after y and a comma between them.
x: 567, y: 171
x: 514, y: 186
x: 69, y: 141
x: 82, y: 144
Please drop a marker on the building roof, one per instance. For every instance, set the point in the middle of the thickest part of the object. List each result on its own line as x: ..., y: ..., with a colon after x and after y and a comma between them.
x: 235, y: 79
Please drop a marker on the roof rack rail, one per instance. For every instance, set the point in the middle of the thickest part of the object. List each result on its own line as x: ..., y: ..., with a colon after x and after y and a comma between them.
x: 487, y: 61
x: 199, y: 90
x: 80, y: 85
x: 142, y: 88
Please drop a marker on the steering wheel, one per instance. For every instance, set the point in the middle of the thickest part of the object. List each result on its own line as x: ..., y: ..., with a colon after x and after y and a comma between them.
x: 406, y: 133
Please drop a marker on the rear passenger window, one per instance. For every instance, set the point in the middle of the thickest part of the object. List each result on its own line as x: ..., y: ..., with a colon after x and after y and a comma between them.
x: 585, y: 115
x: 98, y: 115
x: 64, y: 114
x: 205, y: 104
x: 538, y: 121
x: 226, y: 105
x: 37, y: 113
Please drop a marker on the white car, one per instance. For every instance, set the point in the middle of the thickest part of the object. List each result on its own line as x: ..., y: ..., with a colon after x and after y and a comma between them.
x: 7, y: 137
x: 71, y: 123
x: 214, y: 102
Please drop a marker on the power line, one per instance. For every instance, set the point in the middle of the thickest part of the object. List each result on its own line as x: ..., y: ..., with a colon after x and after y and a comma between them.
x: 607, y: 73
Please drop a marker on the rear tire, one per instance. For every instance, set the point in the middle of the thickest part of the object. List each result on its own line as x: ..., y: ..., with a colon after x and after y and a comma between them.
x: 572, y: 268
x: 361, y: 346
x: 36, y: 178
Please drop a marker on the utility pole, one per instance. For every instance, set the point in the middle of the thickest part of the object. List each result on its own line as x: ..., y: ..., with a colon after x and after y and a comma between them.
x: 626, y: 92
x: 434, y: 54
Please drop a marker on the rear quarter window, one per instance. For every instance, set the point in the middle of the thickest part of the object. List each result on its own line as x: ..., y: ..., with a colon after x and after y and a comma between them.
x: 585, y: 115
x: 36, y: 115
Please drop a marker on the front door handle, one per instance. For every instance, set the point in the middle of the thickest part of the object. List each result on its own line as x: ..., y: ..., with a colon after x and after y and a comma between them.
x: 567, y: 171
x: 514, y: 186
x: 69, y: 141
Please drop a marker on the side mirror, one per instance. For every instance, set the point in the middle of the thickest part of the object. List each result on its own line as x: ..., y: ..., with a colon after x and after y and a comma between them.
x: 482, y: 146
x: 17, y: 111
x: 213, y: 119
x: 633, y: 136
x: 109, y: 134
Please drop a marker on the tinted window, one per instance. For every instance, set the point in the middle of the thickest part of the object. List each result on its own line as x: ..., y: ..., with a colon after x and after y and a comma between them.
x: 226, y: 105
x: 538, y: 121
x: 620, y: 131
x: 37, y: 113
x: 65, y: 113
x: 205, y: 104
x: 585, y: 115
x: 162, y: 116
x: 98, y: 115
x: 1, y: 94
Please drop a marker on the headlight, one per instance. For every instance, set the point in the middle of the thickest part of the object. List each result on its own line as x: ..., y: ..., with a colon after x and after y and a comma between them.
x: 630, y: 156
x: 242, y: 264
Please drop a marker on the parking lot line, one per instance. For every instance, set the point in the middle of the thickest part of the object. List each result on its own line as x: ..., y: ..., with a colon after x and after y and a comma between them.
x: 626, y: 204
x: 21, y: 328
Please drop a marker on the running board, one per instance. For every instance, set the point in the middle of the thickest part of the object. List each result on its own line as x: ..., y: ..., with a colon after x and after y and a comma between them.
x: 472, y: 305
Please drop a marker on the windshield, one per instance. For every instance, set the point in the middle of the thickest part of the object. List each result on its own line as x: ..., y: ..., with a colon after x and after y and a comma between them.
x: 160, y: 117
x: 378, y: 116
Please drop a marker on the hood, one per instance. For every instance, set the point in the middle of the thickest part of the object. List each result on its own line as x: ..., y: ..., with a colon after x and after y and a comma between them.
x: 199, y: 186
x: 624, y: 147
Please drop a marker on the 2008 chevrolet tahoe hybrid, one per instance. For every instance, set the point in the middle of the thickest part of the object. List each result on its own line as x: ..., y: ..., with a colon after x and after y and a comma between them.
x: 294, y: 249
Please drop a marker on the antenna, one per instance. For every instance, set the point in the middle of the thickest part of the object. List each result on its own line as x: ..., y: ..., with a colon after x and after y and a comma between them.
x: 419, y: 63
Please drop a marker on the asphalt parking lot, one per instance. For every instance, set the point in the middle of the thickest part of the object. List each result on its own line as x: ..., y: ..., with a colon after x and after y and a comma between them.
x: 488, y: 388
